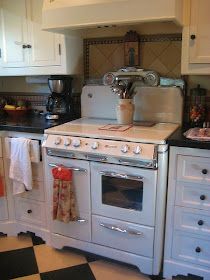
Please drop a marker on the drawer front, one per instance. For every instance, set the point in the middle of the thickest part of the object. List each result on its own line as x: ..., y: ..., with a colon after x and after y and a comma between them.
x: 123, y: 235
x: 192, y: 220
x: 80, y: 229
x: 37, y: 193
x: 193, y: 195
x: 30, y: 211
x: 192, y: 249
x: 193, y: 169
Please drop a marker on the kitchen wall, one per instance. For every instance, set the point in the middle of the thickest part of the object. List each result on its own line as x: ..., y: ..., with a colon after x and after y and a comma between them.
x: 19, y: 84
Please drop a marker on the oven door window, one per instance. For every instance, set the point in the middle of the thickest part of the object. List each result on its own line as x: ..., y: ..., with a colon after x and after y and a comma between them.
x: 121, y: 192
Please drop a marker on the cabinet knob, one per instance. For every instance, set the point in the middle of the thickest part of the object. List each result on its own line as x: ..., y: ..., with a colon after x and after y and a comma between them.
x: 29, y: 46
x: 29, y: 211
x: 197, y: 249
x: 204, y: 171
x: 200, y: 222
x: 192, y: 36
x: 24, y: 46
x: 202, y: 197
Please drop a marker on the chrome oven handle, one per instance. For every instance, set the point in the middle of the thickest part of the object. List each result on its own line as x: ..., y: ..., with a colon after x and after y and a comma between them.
x: 74, y: 168
x: 121, y: 175
x: 145, y: 164
x: 121, y: 230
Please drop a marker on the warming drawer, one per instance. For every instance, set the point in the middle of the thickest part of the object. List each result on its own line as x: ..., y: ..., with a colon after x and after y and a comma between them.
x: 122, y: 235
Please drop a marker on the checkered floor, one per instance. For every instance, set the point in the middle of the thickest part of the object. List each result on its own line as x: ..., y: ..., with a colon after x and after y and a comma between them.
x: 27, y: 257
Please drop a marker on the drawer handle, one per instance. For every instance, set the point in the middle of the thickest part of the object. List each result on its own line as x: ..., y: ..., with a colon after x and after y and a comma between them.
x: 197, y: 249
x: 202, y: 197
x: 118, y: 229
x: 81, y: 220
x: 204, y: 171
x: 200, y: 222
x: 29, y: 211
x: 192, y: 36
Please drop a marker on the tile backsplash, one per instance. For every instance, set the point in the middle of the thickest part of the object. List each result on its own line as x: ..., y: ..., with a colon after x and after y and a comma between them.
x: 160, y: 52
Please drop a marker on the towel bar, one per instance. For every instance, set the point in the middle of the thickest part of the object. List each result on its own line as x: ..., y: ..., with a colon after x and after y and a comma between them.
x: 74, y: 168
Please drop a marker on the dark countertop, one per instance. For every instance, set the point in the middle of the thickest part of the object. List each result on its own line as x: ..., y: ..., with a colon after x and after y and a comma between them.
x: 31, y: 123
x: 177, y: 139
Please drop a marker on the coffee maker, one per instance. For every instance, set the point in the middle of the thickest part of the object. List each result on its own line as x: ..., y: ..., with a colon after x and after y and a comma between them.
x: 59, y: 101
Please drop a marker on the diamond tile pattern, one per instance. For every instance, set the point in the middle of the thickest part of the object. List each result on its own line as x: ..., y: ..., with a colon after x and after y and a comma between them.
x: 163, y: 57
x: 26, y: 257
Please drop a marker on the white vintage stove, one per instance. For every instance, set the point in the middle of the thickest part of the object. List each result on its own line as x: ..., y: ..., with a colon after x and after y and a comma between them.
x: 120, y: 175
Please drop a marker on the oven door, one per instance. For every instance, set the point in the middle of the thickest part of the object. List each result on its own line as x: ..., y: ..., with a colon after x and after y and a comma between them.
x: 80, y: 229
x: 125, y: 193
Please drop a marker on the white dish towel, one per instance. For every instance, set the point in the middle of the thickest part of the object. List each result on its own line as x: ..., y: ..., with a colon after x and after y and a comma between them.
x: 20, y: 165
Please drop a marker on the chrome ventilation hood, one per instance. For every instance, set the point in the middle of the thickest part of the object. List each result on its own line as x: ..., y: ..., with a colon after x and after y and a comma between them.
x: 64, y: 15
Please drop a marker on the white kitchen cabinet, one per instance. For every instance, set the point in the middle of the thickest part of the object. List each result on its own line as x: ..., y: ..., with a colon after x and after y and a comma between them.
x: 28, y: 50
x: 187, y: 239
x: 26, y: 211
x: 196, y: 38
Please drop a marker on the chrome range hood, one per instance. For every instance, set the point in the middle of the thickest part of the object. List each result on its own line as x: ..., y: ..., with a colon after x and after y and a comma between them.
x: 64, y: 15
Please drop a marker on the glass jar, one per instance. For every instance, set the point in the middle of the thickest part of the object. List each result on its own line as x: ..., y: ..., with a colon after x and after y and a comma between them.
x: 197, y: 106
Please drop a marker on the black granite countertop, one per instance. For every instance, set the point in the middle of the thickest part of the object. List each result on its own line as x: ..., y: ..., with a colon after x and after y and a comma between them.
x: 179, y: 140
x: 32, y: 123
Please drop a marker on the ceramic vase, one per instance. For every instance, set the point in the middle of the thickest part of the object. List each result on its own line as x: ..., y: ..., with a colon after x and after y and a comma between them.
x: 125, y: 111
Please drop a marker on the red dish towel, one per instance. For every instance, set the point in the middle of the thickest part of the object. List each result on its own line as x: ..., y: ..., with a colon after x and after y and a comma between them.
x: 64, y: 201
x: 1, y: 187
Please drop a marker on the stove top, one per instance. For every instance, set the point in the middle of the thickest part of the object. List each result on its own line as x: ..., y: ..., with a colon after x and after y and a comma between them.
x: 93, y: 128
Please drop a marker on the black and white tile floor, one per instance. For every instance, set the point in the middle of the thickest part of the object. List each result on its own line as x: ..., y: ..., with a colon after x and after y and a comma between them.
x: 26, y: 257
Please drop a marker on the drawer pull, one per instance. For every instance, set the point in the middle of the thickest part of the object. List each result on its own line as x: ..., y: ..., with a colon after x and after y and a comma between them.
x: 200, y: 222
x: 204, y: 171
x: 197, y: 249
x: 192, y: 36
x: 116, y: 228
x: 81, y: 220
x: 29, y: 211
x: 202, y: 197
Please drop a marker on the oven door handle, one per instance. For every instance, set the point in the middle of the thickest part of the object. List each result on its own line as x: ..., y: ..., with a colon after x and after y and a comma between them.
x: 74, y: 168
x: 121, y: 230
x: 121, y: 175
x: 138, y: 163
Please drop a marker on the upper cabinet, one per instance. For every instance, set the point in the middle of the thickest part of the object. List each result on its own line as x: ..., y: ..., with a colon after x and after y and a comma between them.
x: 196, y: 38
x: 59, y: 15
x: 28, y: 50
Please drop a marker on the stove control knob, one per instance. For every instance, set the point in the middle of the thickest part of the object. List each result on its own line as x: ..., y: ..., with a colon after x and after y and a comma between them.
x: 76, y: 143
x: 67, y: 142
x: 57, y: 140
x: 137, y: 150
x: 124, y: 148
x: 94, y: 145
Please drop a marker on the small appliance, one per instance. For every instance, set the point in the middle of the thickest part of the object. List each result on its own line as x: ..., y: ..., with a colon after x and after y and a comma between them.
x: 59, y: 101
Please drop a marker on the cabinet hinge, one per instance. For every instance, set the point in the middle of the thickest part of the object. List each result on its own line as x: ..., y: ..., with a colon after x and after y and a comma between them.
x: 59, y: 49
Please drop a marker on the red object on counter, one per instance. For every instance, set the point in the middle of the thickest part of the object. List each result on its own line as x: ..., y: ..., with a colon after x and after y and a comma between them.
x: 2, y: 193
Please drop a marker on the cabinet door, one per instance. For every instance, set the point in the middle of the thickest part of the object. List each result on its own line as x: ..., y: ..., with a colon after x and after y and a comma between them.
x: 199, y: 32
x: 45, y: 46
x: 14, y: 33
